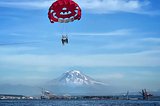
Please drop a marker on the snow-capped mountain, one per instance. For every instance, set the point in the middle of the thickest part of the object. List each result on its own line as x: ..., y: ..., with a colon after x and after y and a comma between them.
x: 74, y: 78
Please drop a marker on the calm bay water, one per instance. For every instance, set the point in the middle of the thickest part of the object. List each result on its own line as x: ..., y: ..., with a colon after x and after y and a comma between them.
x: 79, y: 103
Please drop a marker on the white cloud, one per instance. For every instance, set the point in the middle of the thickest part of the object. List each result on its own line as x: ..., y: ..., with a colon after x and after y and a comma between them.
x: 134, y: 43
x: 108, y: 76
x: 129, y: 44
x: 146, y: 58
x: 10, y: 50
x: 121, y: 46
x: 27, y: 5
x: 116, y: 32
x: 110, y: 6
x: 151, y: 39
x: 92, y: 6
x: 148, y: 73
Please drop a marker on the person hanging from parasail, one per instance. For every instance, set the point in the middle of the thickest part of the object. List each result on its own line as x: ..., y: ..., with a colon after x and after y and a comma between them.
x: 64, y: 39
x: 64, y: 11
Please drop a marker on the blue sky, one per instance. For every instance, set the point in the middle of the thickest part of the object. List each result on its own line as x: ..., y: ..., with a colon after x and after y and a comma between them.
x: 116, y: 41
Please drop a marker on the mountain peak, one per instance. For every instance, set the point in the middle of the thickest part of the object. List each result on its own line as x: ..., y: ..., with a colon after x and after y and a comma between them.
x: 74, y: 77
x: 73, y: 71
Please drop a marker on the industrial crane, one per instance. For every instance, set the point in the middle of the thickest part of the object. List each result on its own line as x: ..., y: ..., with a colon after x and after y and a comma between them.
x: 126, y: 95
x: 45, y: 93
x: 145, y: 94
x: 148, y: 95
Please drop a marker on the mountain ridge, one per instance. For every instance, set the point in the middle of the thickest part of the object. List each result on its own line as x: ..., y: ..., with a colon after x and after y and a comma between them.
x: 74, y: 77
x: 71, y: 82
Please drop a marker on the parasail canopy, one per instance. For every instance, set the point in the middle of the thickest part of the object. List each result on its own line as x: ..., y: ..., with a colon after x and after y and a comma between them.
x: 64, y: 11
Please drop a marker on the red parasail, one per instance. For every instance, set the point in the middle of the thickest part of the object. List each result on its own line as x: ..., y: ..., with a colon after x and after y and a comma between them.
x: 64, y: 11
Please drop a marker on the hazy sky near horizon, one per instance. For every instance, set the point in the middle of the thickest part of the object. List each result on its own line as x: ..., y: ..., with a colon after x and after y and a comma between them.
x: 116, y: 42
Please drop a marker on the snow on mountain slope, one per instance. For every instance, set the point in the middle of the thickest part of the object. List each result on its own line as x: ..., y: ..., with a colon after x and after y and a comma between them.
x: 74, y: 78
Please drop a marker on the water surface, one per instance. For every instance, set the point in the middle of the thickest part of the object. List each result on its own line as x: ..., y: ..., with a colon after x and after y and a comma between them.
x: 53, y: 102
